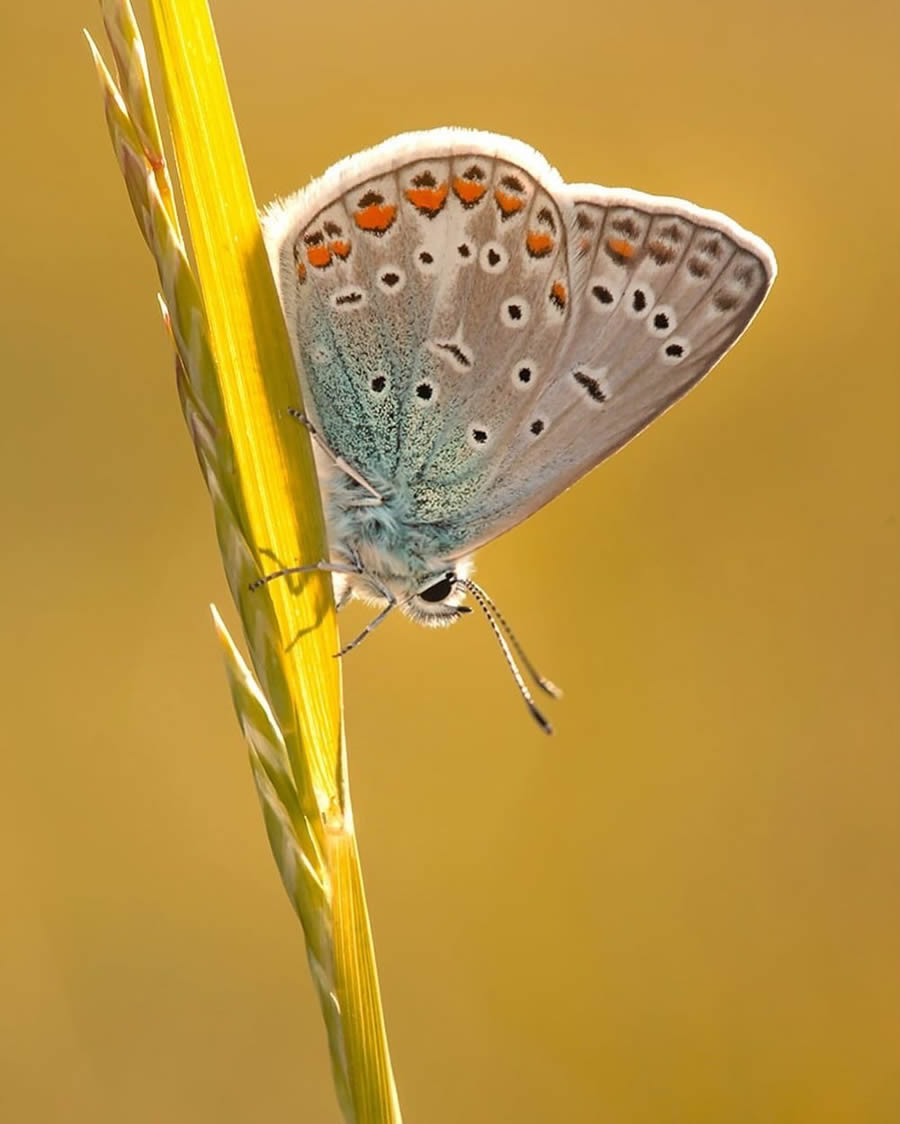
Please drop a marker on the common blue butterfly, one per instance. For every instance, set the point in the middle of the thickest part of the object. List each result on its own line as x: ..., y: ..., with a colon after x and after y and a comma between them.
x: 472, y: 335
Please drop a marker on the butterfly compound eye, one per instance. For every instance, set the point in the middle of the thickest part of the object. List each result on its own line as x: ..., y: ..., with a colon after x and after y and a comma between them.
x: 440, y: 590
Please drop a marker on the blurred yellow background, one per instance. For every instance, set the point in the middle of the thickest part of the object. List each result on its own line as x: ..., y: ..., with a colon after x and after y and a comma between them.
x: 686, y: 906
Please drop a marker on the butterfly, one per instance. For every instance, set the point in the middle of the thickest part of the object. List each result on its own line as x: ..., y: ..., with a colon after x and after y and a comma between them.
x: 472, y: 335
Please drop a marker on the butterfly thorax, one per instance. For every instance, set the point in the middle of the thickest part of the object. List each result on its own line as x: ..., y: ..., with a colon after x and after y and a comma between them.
x: 395, y: 556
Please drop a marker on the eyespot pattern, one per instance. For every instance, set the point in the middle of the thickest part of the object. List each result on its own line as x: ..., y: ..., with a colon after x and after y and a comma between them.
x: 493, y: 257
x: 479, y: 436
x: 460, y: 357
x: 427, y: 259
x: 604, y: 293
x: 347, y: 298
x: 591, y: 385
x: 523, y: 375
x: 639, y: 300
x: 674, y: 351
x: 515, y: 312
x: 391, y: 279
x: 661, y: 321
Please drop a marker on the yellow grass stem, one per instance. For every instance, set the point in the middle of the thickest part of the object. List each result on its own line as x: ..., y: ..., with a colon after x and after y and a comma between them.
x: 256, y: 372
x: 236, y: 381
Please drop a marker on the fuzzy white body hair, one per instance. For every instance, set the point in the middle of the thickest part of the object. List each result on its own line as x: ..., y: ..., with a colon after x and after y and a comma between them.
x: 392, y: 565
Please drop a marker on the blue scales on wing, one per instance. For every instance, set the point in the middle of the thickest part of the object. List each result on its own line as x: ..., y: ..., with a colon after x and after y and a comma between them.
x: 473, y: 334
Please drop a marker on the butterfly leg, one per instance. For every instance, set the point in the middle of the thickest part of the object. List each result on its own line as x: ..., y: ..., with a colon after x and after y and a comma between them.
x: 373, y: 624
x: 337, y: 461
x: 323, y: 567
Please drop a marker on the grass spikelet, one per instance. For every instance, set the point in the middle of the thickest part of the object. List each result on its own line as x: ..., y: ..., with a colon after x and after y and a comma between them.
x: 235, y: 379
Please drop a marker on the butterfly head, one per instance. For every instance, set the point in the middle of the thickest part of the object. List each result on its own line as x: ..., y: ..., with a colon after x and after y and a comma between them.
x: 437, y: 601
x: 432, y: 596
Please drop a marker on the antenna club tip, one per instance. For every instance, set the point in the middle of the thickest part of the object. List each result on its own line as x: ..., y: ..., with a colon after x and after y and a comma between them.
x: 551, y: 688
x: 540, y: 719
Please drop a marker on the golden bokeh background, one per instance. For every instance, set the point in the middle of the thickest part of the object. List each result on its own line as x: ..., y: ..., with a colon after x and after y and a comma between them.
x: 686, y: 906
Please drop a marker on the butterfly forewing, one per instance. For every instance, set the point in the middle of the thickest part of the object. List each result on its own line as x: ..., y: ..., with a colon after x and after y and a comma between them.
x: 475, y: 334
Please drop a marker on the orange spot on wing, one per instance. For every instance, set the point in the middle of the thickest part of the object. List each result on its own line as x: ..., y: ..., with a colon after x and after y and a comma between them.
x: 538, y: 244
x: 428, y: 200
x: 558, y: 294
x: 340, y: 249
x: 467, y: 191
x: 301, y: 271
x: 509, y: 204
x: 319, y: 257
x: 620, y: 247
x: 377, y: 217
